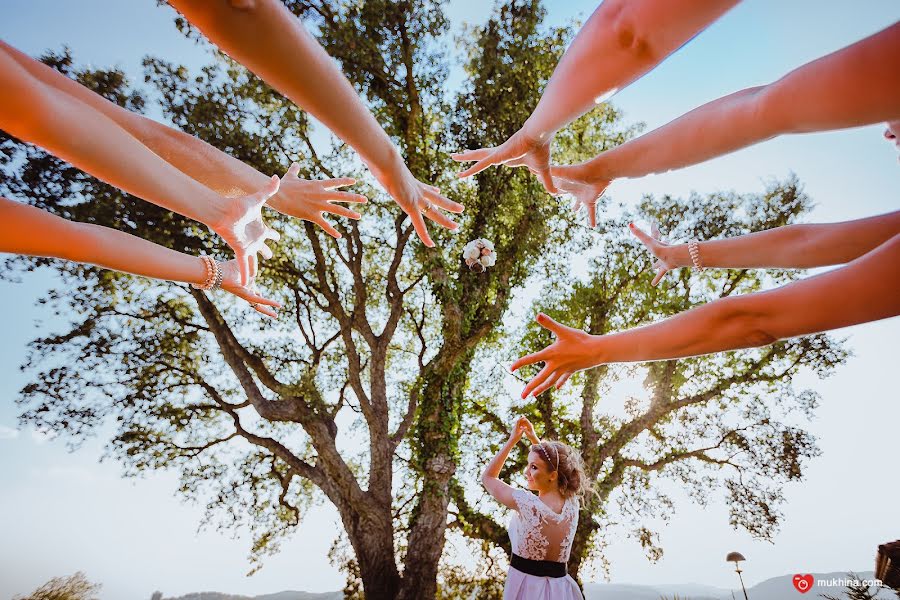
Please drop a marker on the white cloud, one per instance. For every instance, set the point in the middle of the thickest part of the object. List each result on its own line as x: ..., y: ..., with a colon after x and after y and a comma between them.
x: 8, y: 433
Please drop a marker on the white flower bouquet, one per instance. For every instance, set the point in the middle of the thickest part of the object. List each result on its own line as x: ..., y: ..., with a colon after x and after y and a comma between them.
x: 479, y: 255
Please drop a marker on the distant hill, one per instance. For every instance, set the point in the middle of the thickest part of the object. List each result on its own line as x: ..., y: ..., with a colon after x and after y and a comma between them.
x: 776, y: 588
x: 289, y: 595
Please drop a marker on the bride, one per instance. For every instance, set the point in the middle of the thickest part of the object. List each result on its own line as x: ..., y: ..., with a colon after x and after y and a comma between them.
x: 543, y: 525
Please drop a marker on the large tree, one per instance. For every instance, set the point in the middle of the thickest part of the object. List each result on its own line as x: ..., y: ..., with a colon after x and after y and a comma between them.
x: 360, y: 393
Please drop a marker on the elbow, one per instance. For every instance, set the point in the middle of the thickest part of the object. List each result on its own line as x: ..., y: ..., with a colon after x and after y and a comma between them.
x: 628, y: 38
x: 485, y: 479
x: 750, y: 321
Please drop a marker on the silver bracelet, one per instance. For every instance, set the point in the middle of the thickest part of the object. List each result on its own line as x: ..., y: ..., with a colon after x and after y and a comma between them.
x: 694, y: 251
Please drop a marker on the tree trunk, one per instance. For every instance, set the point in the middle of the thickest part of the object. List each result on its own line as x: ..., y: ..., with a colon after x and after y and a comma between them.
x: 436, y: 439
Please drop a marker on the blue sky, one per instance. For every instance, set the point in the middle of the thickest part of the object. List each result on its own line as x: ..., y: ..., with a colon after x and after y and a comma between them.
x: 62, y: 512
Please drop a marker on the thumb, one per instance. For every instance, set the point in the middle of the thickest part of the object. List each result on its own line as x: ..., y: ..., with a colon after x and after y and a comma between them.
x: 294, y: 171
x: 270, y: 190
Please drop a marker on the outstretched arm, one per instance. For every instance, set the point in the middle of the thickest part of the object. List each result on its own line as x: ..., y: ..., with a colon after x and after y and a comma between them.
x: 206, y: 164
x: 266, y: 38
x: 623, y: 40
x: 490, y: 478
x: 864, y: 290
x: 857, y: 85
x: 34, y: 232
x: 72, y: 130
x: 801, y: 246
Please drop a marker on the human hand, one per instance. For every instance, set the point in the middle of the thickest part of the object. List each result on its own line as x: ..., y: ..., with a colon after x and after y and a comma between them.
x: 243, y: 228
x: 574, y: 350
x: 528, y: 430
x: 586, y: 192
x: 417, y: 199
x: 231, y: 283
x: 662, y: 251
x: 518, y: 429
x: 520, y: 150
x: 310, y: 200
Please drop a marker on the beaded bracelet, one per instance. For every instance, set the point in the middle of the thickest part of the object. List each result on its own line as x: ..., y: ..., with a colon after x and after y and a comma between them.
x: 694, y: 251
x: 214, y: 275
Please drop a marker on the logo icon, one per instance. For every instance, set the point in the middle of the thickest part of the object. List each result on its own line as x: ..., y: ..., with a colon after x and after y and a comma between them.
x: 803, y: 583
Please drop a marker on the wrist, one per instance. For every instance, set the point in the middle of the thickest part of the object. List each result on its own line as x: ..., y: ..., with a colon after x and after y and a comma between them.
x: 596, y: 170
x: 532, y: 130
x: 388, y: 164
x: 679, y: 256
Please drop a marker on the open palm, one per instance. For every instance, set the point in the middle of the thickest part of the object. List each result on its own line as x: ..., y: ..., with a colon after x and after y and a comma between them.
x: 243, y: 228
x: 520, y: 150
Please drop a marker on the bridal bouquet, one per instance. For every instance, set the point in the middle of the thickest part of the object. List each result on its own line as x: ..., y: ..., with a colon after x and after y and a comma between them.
x: 479, y: 255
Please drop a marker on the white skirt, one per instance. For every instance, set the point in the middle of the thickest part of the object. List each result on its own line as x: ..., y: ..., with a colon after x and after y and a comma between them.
x: 522, y: 586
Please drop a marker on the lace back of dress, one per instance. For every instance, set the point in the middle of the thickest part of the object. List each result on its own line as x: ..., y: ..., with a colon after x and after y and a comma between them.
x: 546, y: 535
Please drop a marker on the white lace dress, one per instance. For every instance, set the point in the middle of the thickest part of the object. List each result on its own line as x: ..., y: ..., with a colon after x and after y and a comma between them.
x: 538, y: 533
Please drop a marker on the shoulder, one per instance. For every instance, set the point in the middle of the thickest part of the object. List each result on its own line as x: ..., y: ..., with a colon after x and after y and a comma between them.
x: 523, y: 498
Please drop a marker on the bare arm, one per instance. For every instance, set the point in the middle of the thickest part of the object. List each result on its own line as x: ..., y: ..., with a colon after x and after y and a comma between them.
x: 864, y: 290
x: 490, y: 478
x: 34, y: 232
x: 857, y: 85
x: 266, y: 38
x: 799, y: 246
x: 200, y: 161
x: 623, y: 40
x: 74, y: 131
x: 71, y: 130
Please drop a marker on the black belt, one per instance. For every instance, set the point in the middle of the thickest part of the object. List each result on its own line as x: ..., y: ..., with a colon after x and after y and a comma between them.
x: 539, y: 568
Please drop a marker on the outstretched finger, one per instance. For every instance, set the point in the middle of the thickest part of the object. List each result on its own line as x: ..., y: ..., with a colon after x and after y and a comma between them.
x: 641, y: 235
x: 592, y: 213
x: 440, y: 218
x: 243, y: 263
x: 329, y: 229
x: 562, y: 380
x: 421, y: 230
x: 537, y: 381
x: 271, y: 234
x: 330, y: 184
x: 528, y: 359
x: 551, y: 325
x: 480, y: 166
x: 343, y: 211
x: 444, y: 202
x: 294, y: 170
x: 547, y: 180
x: 266, y: 254
x: 548, y: 383
x: 347, y: 197
x: 654, y: 230
x: 254, y: 298
x: 270, y: 190
x: 660, y: 273
x: 470, y: 155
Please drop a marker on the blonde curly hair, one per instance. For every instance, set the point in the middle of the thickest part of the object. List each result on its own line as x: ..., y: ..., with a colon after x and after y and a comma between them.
x: 566, y: 461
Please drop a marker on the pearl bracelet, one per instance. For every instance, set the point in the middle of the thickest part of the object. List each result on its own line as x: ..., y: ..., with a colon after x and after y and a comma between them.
x: 694, y: 251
